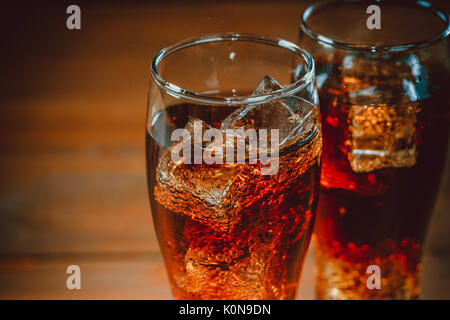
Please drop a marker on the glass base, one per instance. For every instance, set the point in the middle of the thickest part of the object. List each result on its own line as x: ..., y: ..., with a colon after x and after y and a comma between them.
x: 338, y: 279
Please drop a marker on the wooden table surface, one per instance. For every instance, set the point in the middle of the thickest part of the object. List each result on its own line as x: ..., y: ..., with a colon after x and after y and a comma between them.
x: 72, y: 165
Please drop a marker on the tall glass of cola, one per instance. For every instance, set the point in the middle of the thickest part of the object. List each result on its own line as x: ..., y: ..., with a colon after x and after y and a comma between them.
x: 233, y: 144
x: 385, y: 105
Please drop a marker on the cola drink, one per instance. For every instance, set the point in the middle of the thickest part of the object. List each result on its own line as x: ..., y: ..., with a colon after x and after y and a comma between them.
x: 233, y: 146
x: 225, y: 230
x: 381, y: 168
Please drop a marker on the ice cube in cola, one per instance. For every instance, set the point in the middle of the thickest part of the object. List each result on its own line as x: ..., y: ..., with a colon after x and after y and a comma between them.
x: 380, y: 135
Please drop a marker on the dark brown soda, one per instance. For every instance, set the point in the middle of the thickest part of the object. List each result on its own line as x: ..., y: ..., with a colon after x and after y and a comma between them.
x: 262, y: 255
x: 378, y: 217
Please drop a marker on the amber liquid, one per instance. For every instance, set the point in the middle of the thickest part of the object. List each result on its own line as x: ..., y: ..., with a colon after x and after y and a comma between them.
x: 376, y: 217
x: 255, y: 253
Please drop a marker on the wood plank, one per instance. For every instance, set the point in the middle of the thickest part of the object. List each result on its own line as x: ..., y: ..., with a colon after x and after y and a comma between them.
x: 142, y: 276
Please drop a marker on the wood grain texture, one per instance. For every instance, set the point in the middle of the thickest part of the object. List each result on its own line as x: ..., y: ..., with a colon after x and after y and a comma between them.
x: 72, y: 163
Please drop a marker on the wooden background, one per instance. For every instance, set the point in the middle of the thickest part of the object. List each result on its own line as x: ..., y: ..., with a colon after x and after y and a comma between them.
x: 72, y: 165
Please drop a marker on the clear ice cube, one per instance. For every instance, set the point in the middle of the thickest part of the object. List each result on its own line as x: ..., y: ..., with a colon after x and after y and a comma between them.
x: 242, y: 277
x: 381, y: 116
x: 199, y: 191
x: 381, y: 137
x: 290, y: 115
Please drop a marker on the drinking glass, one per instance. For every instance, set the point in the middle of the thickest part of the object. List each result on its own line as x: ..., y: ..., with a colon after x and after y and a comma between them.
x: 384, y: 96
x: 233, y: 212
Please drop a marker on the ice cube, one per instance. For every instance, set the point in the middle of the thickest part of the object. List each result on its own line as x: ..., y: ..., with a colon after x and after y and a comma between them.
x: 238, y: 278
x: 209, y: 193
x: 382, y: 112
x: 289, y: 115
x: 213, y: 195
x: 266, y: 86
x: 382, y: 136
x: 199, y: 191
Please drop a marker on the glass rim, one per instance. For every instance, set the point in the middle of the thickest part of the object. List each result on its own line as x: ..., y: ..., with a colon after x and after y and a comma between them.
x: 316, y: 6
x: 179, y: 92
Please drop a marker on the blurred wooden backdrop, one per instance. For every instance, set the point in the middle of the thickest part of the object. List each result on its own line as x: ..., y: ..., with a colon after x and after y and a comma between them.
x: 72, y: 166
